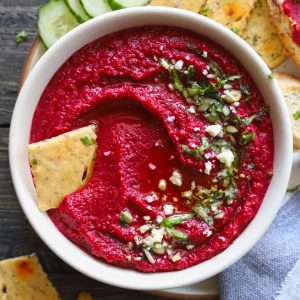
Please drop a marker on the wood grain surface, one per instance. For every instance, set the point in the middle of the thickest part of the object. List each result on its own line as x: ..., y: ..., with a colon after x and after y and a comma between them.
x: 16, y: 235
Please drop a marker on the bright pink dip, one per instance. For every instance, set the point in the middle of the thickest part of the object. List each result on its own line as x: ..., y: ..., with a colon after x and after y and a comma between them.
x: 292, y: 9
x: 117, y: 83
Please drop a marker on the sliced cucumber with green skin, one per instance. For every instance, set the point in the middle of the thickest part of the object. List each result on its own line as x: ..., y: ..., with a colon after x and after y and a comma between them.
x: 119, y: 4
x: 77, y: 10
x: 94, y: 8
x: 54, y: 21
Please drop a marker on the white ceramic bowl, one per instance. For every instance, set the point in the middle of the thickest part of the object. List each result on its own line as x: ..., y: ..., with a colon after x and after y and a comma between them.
x: 29, y: 97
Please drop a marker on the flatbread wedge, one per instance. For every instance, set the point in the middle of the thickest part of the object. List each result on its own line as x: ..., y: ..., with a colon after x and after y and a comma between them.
x: 191, y: 5
x: 261, y: 34
x: 290, y: 87
x: 231, y: 13
x: 284, y: 27
x: 61, y: 165
x: 23, y: 278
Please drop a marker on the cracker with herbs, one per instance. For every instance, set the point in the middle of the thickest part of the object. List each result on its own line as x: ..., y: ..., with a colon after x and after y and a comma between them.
x: 261, y: 34
x: 290, y: 87
x: 23, y: 278
x: 231, y: 13
x: 194, y: 5
x: 61, y: 165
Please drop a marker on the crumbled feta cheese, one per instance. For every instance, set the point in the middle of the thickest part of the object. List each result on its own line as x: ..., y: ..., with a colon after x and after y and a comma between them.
x: 192, y: 110
x: 171, y: 87
x: 138, y: 240
x: 207, y: 155
x: 146, y: 218
x: 176, y: 178
x: 159, y: 219
x: 170, y: 251
x: 152, y: 166
x: 227, y: 86
x: 171, y: 119
x: 205, y: 72
x: 107, y: 153
x: 220, y: 215
x: 149, y: 198
x: 168, y: 209
x: 196, y: 129
x: 190, y: 247
x: 193, y: 184
x: 179, y: 65
x: 176, y: 257
x: 208, y: 167
x: 164, y: 63
x: 226, y: 157
x: 148, y: 241
x: 186, y: 194
x: 144, y: 228
x: 162, y: 185
x: 214, y: 130
x: 138, y: 258
x: 204, y: 53
x: 157, y: 235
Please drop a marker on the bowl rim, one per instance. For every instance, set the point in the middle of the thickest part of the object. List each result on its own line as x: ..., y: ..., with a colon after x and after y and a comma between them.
x: 20, y: 169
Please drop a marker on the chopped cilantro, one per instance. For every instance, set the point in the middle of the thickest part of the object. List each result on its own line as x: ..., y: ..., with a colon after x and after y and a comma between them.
x: 177, y: 83
x: 245, y: 92
x: 205, y: 11
x: 179, y: 235
x: 248, y: 137
x: 34, y: 161
x: 296, y: 115
x: 271, y: 76
x: 230, y: 193
x: 22, y: 36
x: 222, y: 82
x: 170, y: 222
x: 88, y: 141
x: 197, y: 152
x: 294, y: 189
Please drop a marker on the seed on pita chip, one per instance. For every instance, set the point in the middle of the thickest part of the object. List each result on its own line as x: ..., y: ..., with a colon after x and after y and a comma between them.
x: 262, y: 35
x: 191, y: 5
x: 84, y: 296
x: 61, y: 165
x: 231, y: 13
x: 23, y: 278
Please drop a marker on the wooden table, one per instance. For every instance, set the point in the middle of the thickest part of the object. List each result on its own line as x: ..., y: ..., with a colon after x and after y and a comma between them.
x: 16, y: 235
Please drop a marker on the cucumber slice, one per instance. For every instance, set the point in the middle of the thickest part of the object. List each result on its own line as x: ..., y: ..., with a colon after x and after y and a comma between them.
x: 94, y: 8
x: 54, y: 21
x: 119, y: 4
x: 77, y: 10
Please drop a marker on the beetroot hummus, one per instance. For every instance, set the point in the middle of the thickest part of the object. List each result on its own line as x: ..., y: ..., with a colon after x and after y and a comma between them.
x: 292, y: 9
x: 185, y: 147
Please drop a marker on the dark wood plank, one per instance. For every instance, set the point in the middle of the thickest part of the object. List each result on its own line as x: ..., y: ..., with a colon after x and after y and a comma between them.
x: 16, y: 235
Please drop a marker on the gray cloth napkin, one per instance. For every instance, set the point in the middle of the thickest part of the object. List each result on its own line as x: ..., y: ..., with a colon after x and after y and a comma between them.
x: 270, y: 270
